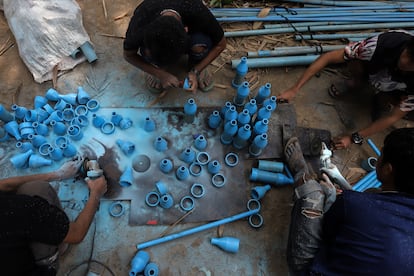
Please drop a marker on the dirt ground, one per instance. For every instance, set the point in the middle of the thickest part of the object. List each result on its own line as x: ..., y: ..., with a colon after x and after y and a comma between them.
x: 111, y: 241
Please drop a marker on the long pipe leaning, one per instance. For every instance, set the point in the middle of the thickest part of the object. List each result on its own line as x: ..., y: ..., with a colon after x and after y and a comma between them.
x: 197, y: 229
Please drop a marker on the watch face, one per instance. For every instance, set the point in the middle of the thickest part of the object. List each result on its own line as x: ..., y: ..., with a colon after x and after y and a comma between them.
x: 356, y: 138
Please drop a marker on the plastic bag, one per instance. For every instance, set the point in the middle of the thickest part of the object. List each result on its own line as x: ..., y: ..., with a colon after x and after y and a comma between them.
x: 47, y: 32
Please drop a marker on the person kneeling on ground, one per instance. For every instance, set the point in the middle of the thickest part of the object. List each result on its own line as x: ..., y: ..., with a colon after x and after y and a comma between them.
x: 34, y: 227
x: 386, y: 61
x: 160, y: 32
x: 358, y: 233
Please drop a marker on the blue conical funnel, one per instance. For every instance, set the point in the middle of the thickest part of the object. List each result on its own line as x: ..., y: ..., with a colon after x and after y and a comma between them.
x: 139, y: 262
x: 37, y: 161
x: 69, y: 98
x: 20, y: 160
x: 258, y: 192
x: 83, y: 96
x: 228, y: 244
x: 12, y: 128
x: 127, y: 147
x: 126, y: 178
x: 52, y: 95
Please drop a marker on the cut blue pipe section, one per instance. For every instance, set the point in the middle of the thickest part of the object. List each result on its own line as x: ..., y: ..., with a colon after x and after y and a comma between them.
x: 197, y: 229
x: 295, y: 50
x: 359, y: 36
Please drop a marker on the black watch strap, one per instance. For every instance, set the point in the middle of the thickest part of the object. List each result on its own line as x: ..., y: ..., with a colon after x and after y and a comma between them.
x: 357, y: 138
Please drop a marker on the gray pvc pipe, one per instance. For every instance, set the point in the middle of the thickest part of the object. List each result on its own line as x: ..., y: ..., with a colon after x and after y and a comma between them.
x: 197, y: 229
x: 277, y: 61
x: 335, y: 36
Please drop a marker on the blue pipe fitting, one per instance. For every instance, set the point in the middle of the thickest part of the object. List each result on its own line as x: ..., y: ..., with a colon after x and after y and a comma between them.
x: 243, y: 117
x: 88, y: 52
x: 187, y: 155
x: 151, y: 269
x: 195, y: 169
x: 218, y: 180
x: 149, y: 124
x: 263, y: 93
x: 52, y: 95
x: 260, y: 127
x: 37, y: 161
x: 213, y: 166
x: 166, y: 201
x: 81, y: 110
x: 107, y: 127
x: 4, y: 136
x: 61, y: 104
x: 125, y: 123
x: 40, y: 128
x: 25, y: 129
x: 190, y: 109
x: 251, y: 106
x: 200, y: 142
x: 161, y: 188
x: 369, y: 164
x: 259, y: 143
x: 256, y: 220
x: 271, y: 101
x: 231, y: 114
x: 48, y: 108
x: 60, y: 140
x: 160, y: 144
x: 82, y: 97
x: 166, y: 165
x: 59, y: 128
x: 97, y: 121
x: 264, y: 112
x: 258, y: 192
x: 20, y: 160
x: 152, y: 199
x: 241, y: 140
x: 271, y: 166
x: 93, y: 105
x: 243, y: 92
x: 126, y: 147
x: 230, y: 129
x: 5, y: 115
x: 56, y: 115
x: 197, y: 190
x: 116, y: 209
x: 69, y: 150
x: 44, y: 149
x: 127, y: 177
x: 116, y: 118
x: 24, y: 146
x: 80, y: 120
x: 187, y: 203
x: 253, y: 204
x: 37, y: 140
x: 182, y: 173
x: 241, y: 71
x: 203, y: 158
x: 270, y: 177
x: 55, y: 153
x: 31, y: 115
x: 19, y: 111
x: 224, y: 109
x: 214, y: 120
x: 139, y: 262
x: 74, y: 132
x: 231, y: 159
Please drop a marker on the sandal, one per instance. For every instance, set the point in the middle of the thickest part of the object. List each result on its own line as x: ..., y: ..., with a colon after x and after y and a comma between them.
x: 153, y: 84
x: 205, y: 81
x: 335, y: 93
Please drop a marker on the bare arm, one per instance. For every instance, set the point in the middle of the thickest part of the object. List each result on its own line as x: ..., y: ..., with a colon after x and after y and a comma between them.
x: 377, y: 126
x: 167, y: 80
x: 68, y: 170
x: 79, y: 228
x: 212, y: 55
x: 332, y: 57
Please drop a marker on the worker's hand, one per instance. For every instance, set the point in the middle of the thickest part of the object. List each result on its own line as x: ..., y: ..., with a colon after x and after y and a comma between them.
x: 192, y: 80
x: 168, y: 80
x: 327, y: 184
x: 287, y: 95
x: 342, y: 142
x: 97, y: 186
x: 70, y: 168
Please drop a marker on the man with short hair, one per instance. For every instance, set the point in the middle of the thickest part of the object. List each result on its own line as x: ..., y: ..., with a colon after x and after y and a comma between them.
x: 34, y: 225
x: 161, y: 31
x: 358, y: 233
x: 386, y: 61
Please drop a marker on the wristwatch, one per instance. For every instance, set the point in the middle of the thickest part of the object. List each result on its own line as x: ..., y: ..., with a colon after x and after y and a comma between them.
x: 356, y: 138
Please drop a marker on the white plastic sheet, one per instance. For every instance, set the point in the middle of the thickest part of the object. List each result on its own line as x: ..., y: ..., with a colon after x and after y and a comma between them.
x: 46, y: 32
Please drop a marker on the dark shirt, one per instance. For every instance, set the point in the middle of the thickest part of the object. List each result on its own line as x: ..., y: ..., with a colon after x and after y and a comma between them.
x: 194, y: 14
x: 368, y: 234
x: 26, y: 219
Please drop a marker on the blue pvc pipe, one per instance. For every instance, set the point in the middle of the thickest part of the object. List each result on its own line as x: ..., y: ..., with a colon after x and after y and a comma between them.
x: 393, y: 18
x: 285, y: 51
x: 277, y: 61
x: 335, y: 36
x: 339, y: 3
x: 367, y: 178
x: 373, y: 147
x: 301, y: 24
x: 197, y: 229
x: 321, y: 28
